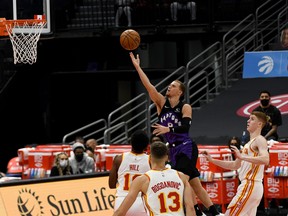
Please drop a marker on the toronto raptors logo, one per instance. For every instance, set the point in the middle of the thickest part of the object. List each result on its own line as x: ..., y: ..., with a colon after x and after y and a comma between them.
x: 280, y: 101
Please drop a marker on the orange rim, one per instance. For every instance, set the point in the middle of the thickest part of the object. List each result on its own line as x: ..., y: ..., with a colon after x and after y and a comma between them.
x: 20, y: 22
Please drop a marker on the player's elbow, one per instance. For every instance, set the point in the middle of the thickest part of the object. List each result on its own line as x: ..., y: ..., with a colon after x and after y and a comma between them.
x: 267, y: 161
x: 112, y: 185
x: 236, y: 164
x: 118, y: 213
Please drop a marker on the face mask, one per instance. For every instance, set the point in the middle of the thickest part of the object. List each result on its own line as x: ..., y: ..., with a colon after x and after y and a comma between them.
x: 264, y: 102
x: 236, y: 145
x: 63, y: 163
x: 79, y: 157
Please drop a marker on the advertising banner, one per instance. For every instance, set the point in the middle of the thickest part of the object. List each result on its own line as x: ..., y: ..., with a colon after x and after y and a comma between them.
x: 85, y: 196
x: 265, y: 64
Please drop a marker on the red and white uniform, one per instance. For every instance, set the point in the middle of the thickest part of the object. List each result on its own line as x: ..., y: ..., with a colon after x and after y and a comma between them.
x: 132, y: 165
x: 165, y: 193
x: 250, y: 190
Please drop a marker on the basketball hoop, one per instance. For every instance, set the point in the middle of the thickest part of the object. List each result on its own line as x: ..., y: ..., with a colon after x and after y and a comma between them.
x: 24, y: 35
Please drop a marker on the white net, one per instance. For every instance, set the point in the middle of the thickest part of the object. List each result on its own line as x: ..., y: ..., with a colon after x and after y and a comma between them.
x: 24, y: 40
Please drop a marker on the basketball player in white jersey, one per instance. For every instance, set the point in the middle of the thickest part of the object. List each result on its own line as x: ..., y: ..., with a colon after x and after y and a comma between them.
x: 166, y: 192
x: 250, y: 164
x: 126, y: 167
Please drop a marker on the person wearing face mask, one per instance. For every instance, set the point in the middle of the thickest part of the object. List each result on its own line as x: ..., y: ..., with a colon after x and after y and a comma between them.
x: 80, y: 162
x: 284, y: 38
x: 235, y: 141
x: 250, y: 164
x: 275, y: 118
x: 61, y: 165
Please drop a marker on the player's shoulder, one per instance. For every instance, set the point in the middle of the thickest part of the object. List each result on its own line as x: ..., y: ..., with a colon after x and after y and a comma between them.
x: 145, y: 177
x: 261, y: 137
x: 182, y: 176
x: 174, y: 171
x: 118, y: 159
x: 186, y: 105
x: 179, y: 173
x: 261, y: 140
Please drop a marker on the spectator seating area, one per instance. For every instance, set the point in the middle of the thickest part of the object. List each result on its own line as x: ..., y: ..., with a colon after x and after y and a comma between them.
x: 36, y: 162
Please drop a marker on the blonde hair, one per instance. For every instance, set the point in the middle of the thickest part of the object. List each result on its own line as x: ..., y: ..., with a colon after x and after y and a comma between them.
x: 262, y: 117
x: 57, y: 164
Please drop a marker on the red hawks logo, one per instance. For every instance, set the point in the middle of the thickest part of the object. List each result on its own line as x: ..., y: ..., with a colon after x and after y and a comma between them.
x: 280, y: 101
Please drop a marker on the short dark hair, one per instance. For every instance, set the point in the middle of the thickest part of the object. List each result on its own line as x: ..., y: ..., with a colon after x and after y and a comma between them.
x: 182, y: 87
x: 159, y: 136
x: 265, y: 92
x: 159, y: 150
x: 139, y: 141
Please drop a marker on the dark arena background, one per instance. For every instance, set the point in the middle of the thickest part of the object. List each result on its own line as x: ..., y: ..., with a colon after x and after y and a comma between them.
x: 82, y: 74
x: 80, y: 62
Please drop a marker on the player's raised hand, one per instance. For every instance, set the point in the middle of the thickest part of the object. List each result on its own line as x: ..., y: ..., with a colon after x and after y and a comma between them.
x: 236, y: 152
x: 207, y: 155
x: 160, y: 129
x: 135, y: 61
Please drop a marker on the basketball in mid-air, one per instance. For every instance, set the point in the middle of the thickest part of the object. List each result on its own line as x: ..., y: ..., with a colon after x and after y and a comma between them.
x: 130, y: 39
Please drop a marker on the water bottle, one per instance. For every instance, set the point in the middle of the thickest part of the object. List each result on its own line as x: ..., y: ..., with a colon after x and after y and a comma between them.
x: 202, y: 176
x: 281, y: 171
x: 210, y: 176
x: 32, y: 172
x: 205, y: 177
x: 285, y: 171
x: 276, y: 173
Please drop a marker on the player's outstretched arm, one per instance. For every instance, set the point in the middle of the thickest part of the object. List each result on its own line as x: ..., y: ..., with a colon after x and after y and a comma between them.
x: 113, y: 175
x: 260, y: 145
x: 230, y: 165
x: 139, y: 184
x: 155, y: 96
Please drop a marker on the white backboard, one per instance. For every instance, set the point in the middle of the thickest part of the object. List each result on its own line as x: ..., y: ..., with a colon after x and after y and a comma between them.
x: 26, y: 9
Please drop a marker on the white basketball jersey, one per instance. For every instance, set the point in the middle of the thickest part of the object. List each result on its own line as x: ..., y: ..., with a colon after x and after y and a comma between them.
x: 132, y: 165
x: 250, y: 171
x: 165, y: 193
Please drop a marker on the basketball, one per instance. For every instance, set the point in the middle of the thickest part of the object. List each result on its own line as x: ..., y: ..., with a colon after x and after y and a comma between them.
x: 130, y: 39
